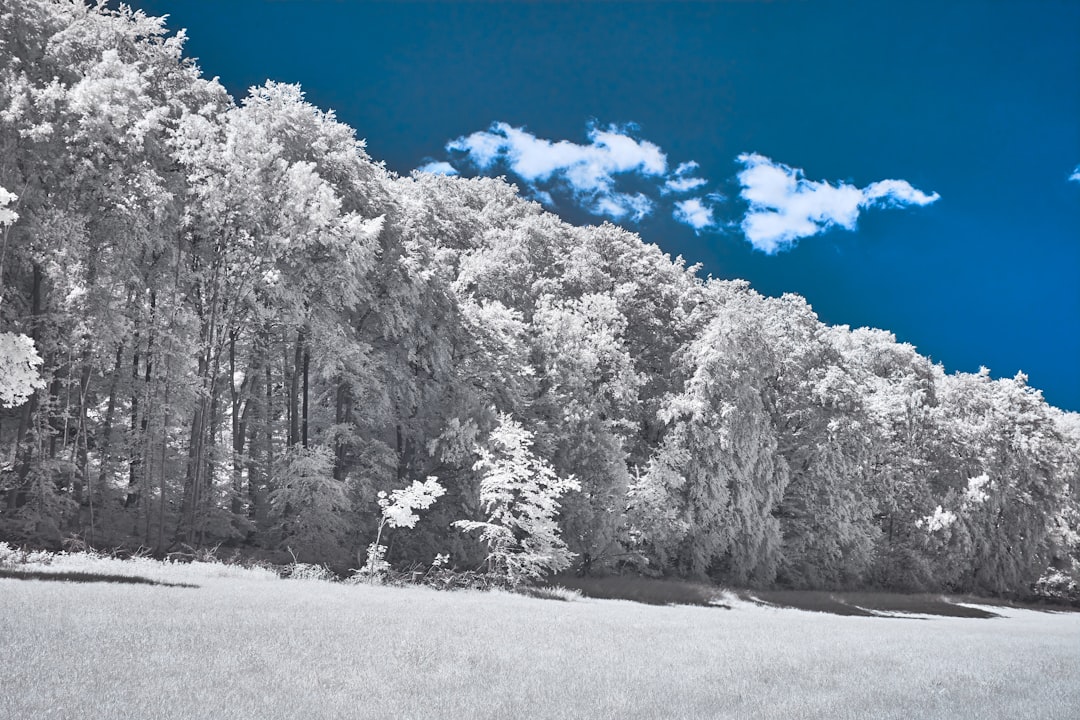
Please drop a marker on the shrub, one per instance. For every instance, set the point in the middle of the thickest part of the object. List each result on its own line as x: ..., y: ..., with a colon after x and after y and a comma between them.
x: 520, y: 494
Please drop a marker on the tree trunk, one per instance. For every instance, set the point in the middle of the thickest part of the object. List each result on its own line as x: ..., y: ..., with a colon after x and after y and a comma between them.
x: 140, y: 443
x: 199, y: 471
x: 400, y: 444
x: 82, y: 444
x: 134, y: 454
x: 240, y: 409
x: 166, y: 420
x: 110, y: 412
x: 213, y: 425
x: 304, y: 419
x: 192, y: 478
x: 342, y: 416
x: 23, y: 451
x: 269, y: 419
x: 294, y: 391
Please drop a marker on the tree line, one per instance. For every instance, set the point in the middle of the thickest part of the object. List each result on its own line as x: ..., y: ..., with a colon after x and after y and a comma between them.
x: 248, y: 329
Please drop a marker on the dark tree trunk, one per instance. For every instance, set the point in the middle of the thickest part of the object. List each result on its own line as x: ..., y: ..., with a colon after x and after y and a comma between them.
x: 139, y: 440
x: 400, y: 438
x: 190, y: 502
x: 294, y: 390
x: 166, y: 421
x: 269, y: 434
x: 134, y: 454
x: 24, y: 451
x: 210, y: 456
x: 304, y: 419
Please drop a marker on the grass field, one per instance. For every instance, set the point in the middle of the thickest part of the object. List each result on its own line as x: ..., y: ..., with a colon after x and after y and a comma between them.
x: 244, y: 644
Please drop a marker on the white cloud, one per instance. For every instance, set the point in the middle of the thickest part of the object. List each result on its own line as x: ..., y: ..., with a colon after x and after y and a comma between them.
x: 1075, y: 174
x: 682, y: 180
x: 895, y: 193
x: 679, y: 185
x: 619, y: 205
x: 695, y: 213
x: 589, y: 171
x: 785, y: 206
x: 438, y: 168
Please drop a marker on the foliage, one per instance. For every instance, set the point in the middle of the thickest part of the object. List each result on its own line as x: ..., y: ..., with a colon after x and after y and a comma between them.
x: 18, y: 369
x: 223, y: 323
x: 19, y: 361
x: 307, y: 571
x: 398, y: 512
x: 1057, y: 586
x: 519, y: 492
x: 310, y: 507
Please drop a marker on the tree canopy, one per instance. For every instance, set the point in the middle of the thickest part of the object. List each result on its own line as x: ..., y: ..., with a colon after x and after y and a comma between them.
x: 223, y: 323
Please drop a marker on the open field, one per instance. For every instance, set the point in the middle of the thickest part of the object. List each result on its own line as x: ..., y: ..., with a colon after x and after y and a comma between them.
x: 244, y: 644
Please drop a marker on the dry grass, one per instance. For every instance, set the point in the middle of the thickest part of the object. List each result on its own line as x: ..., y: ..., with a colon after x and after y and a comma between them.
x: 247, y: 645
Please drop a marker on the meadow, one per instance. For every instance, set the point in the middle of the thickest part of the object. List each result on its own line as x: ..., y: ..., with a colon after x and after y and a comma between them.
x: 227, y: 642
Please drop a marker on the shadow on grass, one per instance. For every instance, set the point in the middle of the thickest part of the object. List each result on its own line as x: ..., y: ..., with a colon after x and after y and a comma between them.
x: 644, y: 590
x: 671, y: 591
x: 84, y: 577
x: 891, y: 604
x: 869, y: 604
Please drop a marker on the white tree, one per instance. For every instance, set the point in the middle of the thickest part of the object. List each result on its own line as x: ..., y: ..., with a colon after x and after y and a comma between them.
x: 397, y: 512
x: 718, y: 463
x: 519, y: 493
x: 589, y: 396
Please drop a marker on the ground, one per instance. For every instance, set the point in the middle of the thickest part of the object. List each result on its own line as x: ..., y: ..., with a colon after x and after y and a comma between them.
x: 224, y: 642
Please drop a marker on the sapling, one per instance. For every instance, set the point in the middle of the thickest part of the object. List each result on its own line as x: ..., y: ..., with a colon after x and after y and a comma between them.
x: 398, y: 512
x: 520, y: 493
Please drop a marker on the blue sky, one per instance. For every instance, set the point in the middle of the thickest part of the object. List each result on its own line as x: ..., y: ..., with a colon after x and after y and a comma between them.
x: 904, y: 167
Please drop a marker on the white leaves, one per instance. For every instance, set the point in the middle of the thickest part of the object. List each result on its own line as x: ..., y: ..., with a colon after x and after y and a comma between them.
x: 937, y: 520
x: 585, y: 356
x: 519, y: 493
x: 975, y: 494
x: 368, y: 230
x: 375, y: 565
x: 456, y: 442
x: 113, y: 97
x: 7, y: 215
x: 19, y: 363
x: 397, y: 509
x: 310, y: 204
x: 397, y: 512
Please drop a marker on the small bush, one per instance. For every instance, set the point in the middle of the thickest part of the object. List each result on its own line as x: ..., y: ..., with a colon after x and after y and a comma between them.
x: 447, y: 579
x: 439, y: 578
x: 550, y: 592
x: 12, y: 556
x: 8, y: 555
x: 307, y: 571
x: 1057, y: 586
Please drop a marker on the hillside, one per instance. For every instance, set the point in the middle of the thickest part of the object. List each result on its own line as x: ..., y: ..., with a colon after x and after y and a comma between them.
x: 247, y: 329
